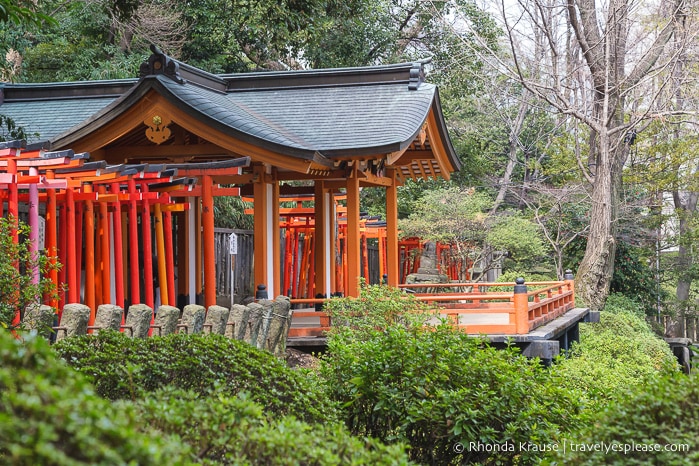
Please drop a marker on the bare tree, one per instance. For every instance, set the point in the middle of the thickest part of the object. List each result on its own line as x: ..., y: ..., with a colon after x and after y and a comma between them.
x: 599, y: 63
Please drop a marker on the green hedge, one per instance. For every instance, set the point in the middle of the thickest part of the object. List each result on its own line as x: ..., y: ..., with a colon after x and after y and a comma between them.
x: 663, y: 414
x: 439, y: 390
x: 126, y: 368
x: 227, y: 430
x: 618, y: 354
x: 50, y: 415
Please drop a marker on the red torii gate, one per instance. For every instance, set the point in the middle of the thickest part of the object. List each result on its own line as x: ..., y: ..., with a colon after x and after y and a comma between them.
x: 104, y: 203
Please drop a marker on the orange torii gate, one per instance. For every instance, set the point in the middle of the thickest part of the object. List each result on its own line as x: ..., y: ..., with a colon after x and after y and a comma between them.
x: 297, y: 224
x: 92, y: 215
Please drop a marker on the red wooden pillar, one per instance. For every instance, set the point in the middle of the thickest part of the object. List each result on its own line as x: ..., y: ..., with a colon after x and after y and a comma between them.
x: 72, y: 264
x: 207, y: 216
x: 89, y: 223
x: 146, y: 229
x: 118, y: 248
x: 169, y: 255
x: 353, y: 238
x: 392, y: 255
x: 134, y: 281
x: 160, y: 252
x: 104, y: 261
x: 321, y: 265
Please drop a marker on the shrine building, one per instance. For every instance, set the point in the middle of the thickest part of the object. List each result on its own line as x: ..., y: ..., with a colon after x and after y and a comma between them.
x: 163, y: 145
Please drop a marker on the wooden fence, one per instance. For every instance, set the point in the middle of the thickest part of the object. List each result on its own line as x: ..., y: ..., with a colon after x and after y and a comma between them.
x: 242, y: 271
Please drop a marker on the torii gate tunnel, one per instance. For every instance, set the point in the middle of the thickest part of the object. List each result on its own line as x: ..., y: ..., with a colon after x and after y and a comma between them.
x: 116, y: 228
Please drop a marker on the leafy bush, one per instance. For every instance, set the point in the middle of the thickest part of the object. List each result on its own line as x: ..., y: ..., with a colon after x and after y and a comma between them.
x: 434, y: 387
x: 620, y: 352
x: 123, y: 367
x: 17, y: 289
x: 664, y: 412
x: 50, y: 415
x: 234, y: 430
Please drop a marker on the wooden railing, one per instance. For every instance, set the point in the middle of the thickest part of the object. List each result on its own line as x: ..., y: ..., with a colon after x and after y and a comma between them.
x: 518, y: 310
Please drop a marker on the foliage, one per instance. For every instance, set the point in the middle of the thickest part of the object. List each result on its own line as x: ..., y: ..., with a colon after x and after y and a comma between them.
x: 663, y: 414
x: 22, y: 13
x: 459, y: 216
x: 50, y: 415
x: 233, y: 430
x: 121, y: 368
x: 432, y: 387
x: 9, y: 131
x: 229, y: 212
x: 618, y: 354
x: 634, y: 278
x: 377, y: 307
x: 17, y: 289
x: 519, y: 237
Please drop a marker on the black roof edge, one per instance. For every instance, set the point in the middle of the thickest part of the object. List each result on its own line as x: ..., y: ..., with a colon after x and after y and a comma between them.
x: 444, y: 131
x: 16, y: 144
x: 412, y: 74
x: 66, y: 90
x: 159, y: 63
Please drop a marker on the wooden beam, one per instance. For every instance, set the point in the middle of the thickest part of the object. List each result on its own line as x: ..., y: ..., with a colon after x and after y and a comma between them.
x: 369, y: 179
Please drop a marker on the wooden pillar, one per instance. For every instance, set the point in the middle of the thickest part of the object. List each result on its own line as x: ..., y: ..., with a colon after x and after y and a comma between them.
x: 392, y: 255
x: 52, y: 236
x: 105, y: 241
x: 13, y: 197
x: 160, y: 252
x: 198, y: 274
x: 89, y: 224
x: 34, y: 226
x: 321, y: 239
x: 72, y: 266
x: 275, y: 262
x: 207, y: 217
x: 118, y: 248
x: 149, y: 293
x: 169, y: 255
x: 353, y: 234
x: 134, y: 282
x: 261, y: 218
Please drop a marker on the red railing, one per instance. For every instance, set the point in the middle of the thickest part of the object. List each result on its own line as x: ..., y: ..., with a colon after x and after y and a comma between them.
x: 471, y: 306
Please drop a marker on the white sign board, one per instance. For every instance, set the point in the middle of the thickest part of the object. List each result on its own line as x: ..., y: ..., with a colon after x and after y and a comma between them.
x: 233, y: 245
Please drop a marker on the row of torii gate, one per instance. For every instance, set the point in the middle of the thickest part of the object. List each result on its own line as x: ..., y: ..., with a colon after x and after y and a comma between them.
x: 95, y: 225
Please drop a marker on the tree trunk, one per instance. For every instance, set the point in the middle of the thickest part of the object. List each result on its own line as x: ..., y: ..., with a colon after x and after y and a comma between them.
x: 594, y: 275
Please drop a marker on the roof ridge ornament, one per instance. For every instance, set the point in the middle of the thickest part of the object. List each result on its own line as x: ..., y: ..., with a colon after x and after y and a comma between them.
x: 159, y: 63
x: 417, y: 75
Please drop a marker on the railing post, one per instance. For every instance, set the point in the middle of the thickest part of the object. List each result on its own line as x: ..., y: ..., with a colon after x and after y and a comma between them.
x: 521, y: 304
x: 570, y: 281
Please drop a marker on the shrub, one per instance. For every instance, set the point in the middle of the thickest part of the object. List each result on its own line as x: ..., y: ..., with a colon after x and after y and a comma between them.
x: 664, y: 412
x: 620, y: 352
x: 17, y: 289
x: 50, y: 415
x: 435, y: 387
x: 234, y: 430
x: 123, y: 367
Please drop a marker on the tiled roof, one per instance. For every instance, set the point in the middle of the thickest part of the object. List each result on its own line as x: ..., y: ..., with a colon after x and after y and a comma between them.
x: 352, y: 111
